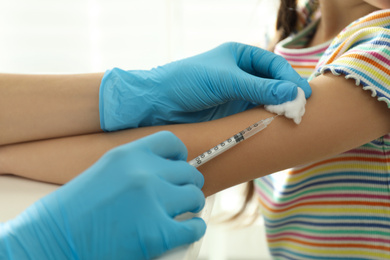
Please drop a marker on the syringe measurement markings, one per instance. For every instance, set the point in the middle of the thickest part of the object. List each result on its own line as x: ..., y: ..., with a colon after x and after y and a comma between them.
x: 216, y: 150
x: 229, y: 143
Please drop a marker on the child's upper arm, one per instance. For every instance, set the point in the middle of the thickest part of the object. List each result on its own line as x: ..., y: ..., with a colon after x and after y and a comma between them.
x: 340, y: 115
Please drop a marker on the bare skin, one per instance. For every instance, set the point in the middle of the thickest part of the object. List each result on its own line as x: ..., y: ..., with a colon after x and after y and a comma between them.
x: 339, y: 117
x: 335, y: 121
x: 30, y: 111
x: 334, y: 18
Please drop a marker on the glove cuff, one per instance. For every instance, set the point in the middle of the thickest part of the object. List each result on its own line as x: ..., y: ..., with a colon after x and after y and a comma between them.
x: 33, y: 235
x: 122, y: 103
x: 11, y: 243
x: 5, y: 252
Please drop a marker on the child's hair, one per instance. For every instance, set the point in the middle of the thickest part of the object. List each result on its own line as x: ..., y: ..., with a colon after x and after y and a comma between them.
x: 287, y: 18
x: 285, y: 24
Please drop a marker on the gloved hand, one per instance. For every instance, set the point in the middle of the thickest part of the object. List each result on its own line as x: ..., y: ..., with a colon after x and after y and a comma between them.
x: 226, y: 80
x: 122, y: 207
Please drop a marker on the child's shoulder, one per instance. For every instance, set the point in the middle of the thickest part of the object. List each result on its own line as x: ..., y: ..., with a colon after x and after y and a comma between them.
x: 379, y: 19
x: 362, y: 52
x: 366, y: 30
x: 383, y: 15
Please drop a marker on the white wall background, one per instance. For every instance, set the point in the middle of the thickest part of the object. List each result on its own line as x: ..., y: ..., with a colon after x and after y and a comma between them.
x: 79, y: 36
x: 72, y: 36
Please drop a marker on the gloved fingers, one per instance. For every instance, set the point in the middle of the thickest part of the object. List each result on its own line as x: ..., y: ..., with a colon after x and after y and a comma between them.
x: 266, y: 64
x: 166, y: 145
x: 181, y: 173
x: 181, y: 199
x: 262, y: 91
x: 276, y: 67
x: 186, y: 232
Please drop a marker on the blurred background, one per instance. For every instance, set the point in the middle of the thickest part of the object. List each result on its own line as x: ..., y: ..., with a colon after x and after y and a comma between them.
x: 81, y: 36
x: 73, y: 36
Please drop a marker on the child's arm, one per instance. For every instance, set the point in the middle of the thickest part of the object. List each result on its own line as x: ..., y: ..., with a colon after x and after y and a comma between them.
x: 220, y: 82
x: 339, y: 116
x: 34, y: 107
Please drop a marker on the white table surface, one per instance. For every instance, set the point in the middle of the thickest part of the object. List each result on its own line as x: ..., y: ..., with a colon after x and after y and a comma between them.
x: 16, y: 194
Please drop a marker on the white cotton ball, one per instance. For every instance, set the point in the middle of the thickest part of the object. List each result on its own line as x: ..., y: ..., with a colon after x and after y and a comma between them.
x: 292, y: 109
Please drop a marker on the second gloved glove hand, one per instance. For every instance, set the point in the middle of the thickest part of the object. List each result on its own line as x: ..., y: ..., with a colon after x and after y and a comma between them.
x: 226, y: 80
x: 122, y: 207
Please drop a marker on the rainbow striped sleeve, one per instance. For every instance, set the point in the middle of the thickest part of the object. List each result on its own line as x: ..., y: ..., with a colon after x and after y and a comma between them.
x: 362, y: 52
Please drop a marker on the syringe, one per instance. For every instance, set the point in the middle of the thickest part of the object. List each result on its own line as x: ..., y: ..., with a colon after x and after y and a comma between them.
x: 232, y: 141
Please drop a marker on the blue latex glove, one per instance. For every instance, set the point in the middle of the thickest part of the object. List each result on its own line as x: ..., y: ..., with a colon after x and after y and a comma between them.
x: 122, y: 207
x: 226, y: 80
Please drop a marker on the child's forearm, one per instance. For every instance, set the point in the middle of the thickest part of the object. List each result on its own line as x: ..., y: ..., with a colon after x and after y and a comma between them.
x: 339, y: 117
x: 34, y: 107
x: 59, y: 160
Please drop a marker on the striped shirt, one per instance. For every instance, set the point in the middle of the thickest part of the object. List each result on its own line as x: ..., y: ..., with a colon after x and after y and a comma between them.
x: 303, y: 60
x: 337, y: 208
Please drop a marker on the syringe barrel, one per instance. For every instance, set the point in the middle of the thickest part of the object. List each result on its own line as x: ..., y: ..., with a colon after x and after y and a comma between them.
x: 254, y: 129
x: 232, y: 141
x: 213, y: 152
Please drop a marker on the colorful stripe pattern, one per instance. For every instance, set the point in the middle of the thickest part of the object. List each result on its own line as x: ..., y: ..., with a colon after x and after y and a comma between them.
x: 338, y: 208
x: 362, y: 52
x: 303, y: 60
